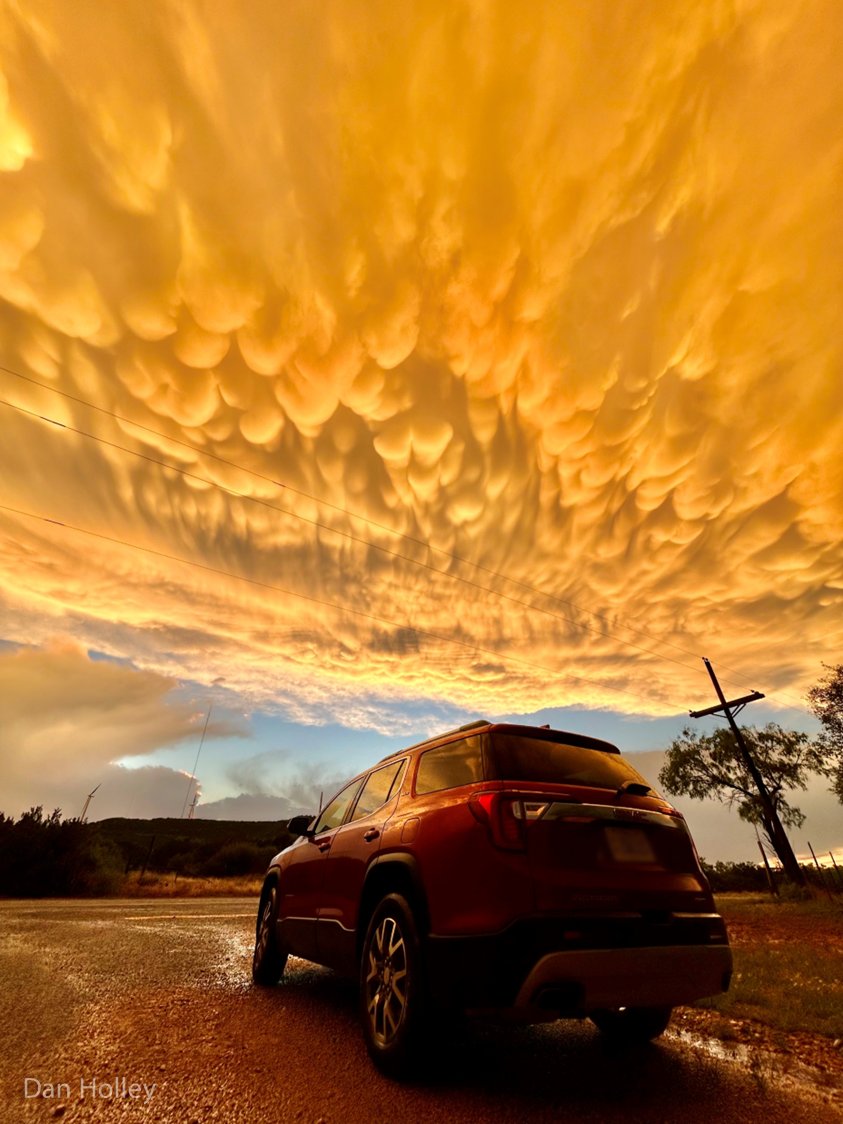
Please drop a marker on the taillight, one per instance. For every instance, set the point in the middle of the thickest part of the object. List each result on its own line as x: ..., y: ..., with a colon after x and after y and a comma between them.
x: 505, y: 815
x: 678, y: 816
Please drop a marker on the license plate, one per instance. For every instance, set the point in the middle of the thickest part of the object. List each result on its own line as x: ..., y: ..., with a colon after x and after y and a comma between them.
x: 629, y: 845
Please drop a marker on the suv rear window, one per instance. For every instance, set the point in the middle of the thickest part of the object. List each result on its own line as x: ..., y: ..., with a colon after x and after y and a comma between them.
x: 514, y: 758
x: 449, y: 766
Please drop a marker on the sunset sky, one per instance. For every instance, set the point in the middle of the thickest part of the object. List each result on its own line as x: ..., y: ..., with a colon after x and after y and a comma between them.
x: 368, y: 367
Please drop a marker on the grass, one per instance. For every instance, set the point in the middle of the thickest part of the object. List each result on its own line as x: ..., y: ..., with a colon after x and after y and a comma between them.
x: 755, y: 906
x: 788, y: 989
x: 181, y: 886
x: 788, y: 959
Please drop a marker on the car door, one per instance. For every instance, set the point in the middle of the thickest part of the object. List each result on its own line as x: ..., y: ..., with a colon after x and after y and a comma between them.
x: 302, y: 877
x: 352, y: 849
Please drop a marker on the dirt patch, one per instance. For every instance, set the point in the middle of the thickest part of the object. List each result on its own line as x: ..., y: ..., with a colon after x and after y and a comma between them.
x: 781, y: 926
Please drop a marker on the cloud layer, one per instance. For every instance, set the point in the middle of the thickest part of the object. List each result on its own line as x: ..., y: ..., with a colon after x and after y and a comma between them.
x: 556, y: 292
x: 65, y: 722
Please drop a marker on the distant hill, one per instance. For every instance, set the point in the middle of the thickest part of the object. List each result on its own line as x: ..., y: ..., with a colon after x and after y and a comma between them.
x: 253, y: 831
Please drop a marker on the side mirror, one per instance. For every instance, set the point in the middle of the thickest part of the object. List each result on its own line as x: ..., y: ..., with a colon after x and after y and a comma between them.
x: 300, y: 825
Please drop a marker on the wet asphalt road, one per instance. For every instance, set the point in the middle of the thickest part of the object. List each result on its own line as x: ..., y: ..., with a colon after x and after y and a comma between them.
x: 102, y: 1001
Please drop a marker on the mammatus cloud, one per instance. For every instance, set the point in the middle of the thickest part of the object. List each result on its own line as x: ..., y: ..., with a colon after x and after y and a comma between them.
x: 65, y: 722
x: 555, y: 291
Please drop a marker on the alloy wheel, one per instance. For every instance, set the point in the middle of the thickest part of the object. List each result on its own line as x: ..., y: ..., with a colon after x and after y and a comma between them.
x: 386, y: 981
x: 266, y: 922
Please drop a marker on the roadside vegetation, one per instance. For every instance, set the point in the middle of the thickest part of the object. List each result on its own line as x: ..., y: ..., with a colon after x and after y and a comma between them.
x: 158, y: 885
x: 788, y: 958
x: 748, y: 878
x: 45, y: 856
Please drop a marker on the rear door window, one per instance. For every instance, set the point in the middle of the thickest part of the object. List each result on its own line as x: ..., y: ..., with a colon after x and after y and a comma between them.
x: 514, y: 758
x: 378, y: 789
x: 449, y: 766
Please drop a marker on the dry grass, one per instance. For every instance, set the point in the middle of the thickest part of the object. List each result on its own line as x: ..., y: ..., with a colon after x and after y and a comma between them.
x: 180, y: 886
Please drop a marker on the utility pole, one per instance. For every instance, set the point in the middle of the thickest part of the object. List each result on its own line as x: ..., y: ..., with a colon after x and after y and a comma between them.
x: 774, y: 890
x: 768, y: 808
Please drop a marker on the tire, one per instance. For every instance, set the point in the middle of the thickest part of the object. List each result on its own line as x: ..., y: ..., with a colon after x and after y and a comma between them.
x: 628, y: 1026
x: 270, y: 958
x: 393, y: 1004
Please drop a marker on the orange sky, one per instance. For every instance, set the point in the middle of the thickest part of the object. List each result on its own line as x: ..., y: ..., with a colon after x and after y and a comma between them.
x: 553, y: 288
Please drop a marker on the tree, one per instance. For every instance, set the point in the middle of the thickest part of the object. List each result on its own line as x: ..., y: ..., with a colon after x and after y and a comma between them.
x: 826, y: 702
x: 710, y: 765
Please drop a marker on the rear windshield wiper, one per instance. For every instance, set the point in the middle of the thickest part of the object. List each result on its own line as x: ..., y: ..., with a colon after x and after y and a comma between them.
x: 633, y: 788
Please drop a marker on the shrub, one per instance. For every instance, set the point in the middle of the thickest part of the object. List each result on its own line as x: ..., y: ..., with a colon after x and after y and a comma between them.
x: 45, y: 856
x: 235, y: 859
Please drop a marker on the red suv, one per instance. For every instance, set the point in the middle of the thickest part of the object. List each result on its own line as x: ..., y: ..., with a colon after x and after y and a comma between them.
x: 497, y: 869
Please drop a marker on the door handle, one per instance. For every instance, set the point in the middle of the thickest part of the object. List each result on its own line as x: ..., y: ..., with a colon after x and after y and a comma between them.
x: 325, y: 845
x: 371, y: 834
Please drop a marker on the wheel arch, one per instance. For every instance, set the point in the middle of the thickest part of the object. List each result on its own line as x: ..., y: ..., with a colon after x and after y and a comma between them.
x: 395, y: 872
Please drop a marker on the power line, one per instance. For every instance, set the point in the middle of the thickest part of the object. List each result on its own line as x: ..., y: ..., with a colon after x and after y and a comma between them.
x: 342, y: 510
x: 343, y: 534
x: 370, y: 522
x: 220, y: 572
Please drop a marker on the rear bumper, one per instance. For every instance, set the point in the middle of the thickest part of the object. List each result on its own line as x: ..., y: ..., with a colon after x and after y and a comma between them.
x: 614, y: 962
x: 626, y: 977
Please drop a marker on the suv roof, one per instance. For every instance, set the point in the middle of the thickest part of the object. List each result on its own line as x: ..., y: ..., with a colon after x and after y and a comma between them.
x: 483, y: 724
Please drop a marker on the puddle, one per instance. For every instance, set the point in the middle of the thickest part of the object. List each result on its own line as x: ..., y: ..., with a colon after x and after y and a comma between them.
x: 232, y: 967
x: 766, y: 1067
x: 713, y: 1047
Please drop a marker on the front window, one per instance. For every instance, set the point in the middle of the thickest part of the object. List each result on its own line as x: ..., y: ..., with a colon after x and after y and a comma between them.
x: 334, y: 814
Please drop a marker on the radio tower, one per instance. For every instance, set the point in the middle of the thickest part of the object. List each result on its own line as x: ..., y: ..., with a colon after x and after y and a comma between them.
x: 195, y: 763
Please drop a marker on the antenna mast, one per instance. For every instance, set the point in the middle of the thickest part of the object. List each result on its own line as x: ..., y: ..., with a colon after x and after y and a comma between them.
x: 195, y: 763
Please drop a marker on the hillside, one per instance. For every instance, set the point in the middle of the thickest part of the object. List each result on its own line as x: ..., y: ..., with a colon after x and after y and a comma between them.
x: 197, y: 847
